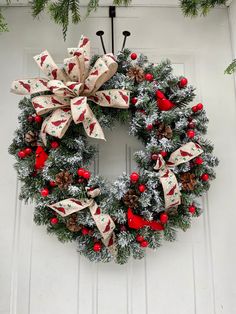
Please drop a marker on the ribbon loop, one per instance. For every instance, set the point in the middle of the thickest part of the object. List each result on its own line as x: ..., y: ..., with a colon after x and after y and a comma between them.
x: 168, y: 179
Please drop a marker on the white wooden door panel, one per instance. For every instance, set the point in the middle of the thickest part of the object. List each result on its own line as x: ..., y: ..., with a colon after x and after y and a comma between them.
x: 193, y: 275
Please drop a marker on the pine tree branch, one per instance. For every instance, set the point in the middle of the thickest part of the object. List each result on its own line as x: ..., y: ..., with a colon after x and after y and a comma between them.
x: 3, y: 24
x: 231, y: 68
x: 194, y: 8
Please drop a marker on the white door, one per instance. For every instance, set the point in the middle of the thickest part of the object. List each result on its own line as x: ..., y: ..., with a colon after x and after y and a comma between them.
x: 196, y: 274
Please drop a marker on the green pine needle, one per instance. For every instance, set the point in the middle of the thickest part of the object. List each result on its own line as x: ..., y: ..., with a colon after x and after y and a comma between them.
x: 3, y: 24
x: 231, y: 68
x: 194, y: 8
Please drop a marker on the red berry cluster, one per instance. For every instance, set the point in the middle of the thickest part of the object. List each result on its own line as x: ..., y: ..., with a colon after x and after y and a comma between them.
x: 142, y: 242
x: 134, y: 178
x: 24, y: 153
x: 35, y: 118
x: 83, y: 175
x: 197, y: 108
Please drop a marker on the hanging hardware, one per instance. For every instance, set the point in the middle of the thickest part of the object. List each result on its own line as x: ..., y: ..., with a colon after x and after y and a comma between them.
x: 100, y: 34
x: 126, y: 34
x: 112, y: 15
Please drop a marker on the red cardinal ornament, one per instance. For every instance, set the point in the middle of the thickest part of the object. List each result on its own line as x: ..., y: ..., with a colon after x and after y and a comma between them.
x: 137, y: 222
x: 41, y: 157
x: 163, y: 103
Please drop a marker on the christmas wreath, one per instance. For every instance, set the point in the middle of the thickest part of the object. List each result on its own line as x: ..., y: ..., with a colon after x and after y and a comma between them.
x: 111, y: 221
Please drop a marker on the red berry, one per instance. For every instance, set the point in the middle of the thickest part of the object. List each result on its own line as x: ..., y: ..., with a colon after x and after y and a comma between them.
x: 149, y: 127
x: 21, y: 154
x: 28, y: 151
x: 190, y: 133
x: 192, y: 209
x: 85, y: 231
x: 52, y: 183
x: 86, y: 175
x: 149, y: 77
x: 81, y: 180
x: 183, y: 82
x: 133, y: 56
x: 142, y: 188
x: 134, y: 100
x: 54, y: 145
x: 140, y: 238
x: 80, y: 172
x: 163, y: 153
x: 144, y: 243
x: 205, y: 177
x: 38, y: 119
x: 199, y: 107
x: 54, y: 221
x: 164, y: 218
x: 44, y: 192
x: 134, y: 176
x: 198, y: 160
x: 30, y: 118
x: 159, y: 94
x: 154, y: 156
x: 165, y: 104
x: 97, y: 247
x: 194, y: 109
x: 191, y: 125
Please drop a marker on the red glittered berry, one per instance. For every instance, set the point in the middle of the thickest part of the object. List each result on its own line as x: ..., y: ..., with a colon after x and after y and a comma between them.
x: 191, y: 125
x: 52, y: 183
x: 54, y: 144
x: 154, y: 156
x: 183, y: 82
x: 163, y: 153
x: 199, y: 107
x: 134, y: 176
x: 144, y: 243
x: 190, y: 133
x: 192, y: 209
x: 142, y: 188
x: 149, y: 77
x: 149, y: 127
x: 80, y: 172
x: 205, y: 177
x: 164, y: 218
x: 21, y: 154
x: 54, y: 221
x: 97, y: 247
x: 28, y: 151
x: 133, y: 56
x: 86, y: 175
x: 139, y: 238
x: 30, y: 118
x: 38, y: 119
x: 194, y: 109
x: 159, y: 94
x: 198, y: 160
x: 85, y: 231
x: 44, y: 192
x: 134, y: 100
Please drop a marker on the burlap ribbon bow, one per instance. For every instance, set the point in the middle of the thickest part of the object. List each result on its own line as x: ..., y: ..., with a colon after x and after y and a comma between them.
x: 70, y: 88
x: 103, y: 222
x: 168, y: 179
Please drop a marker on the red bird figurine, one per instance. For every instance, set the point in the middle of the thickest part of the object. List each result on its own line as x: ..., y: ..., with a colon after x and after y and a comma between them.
x: 41, y: 157
x: 137, y: 222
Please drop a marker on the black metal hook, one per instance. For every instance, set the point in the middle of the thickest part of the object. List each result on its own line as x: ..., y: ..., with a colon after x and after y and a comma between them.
x: 100, y: 34
x: 126, y: 34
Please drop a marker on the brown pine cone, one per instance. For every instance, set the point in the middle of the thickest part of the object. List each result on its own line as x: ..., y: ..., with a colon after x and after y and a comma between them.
x: 130, y: 199
x: 31, y: 138
x: 72, y: 224
x: 136, y: 73
x: 63, y: 179
x: 188, y: 181
x: 164, y: 131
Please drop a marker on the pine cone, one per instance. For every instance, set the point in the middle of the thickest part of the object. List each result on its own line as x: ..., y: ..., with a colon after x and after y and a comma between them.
x: 63, y: 179
x: 188, y: 181
x: 130, y: 199
x: 164, y: 131
x: 72, y: 224
x: 136, y: 73
x: 31, y: 138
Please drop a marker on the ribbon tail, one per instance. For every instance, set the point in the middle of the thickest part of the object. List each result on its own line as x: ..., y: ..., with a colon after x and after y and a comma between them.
x: 29, y: 86
x: 82, y: 113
